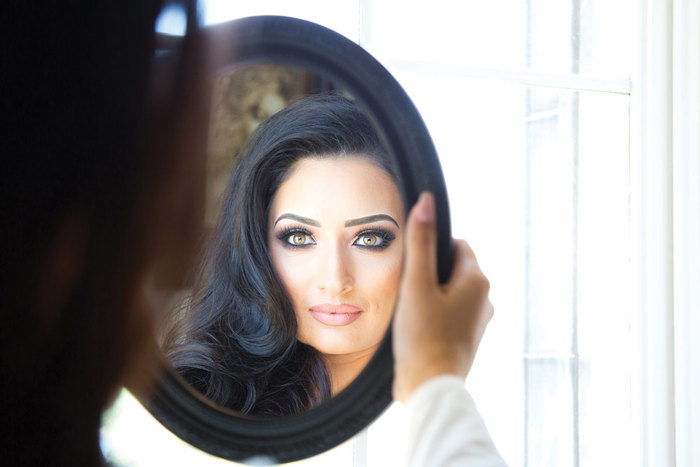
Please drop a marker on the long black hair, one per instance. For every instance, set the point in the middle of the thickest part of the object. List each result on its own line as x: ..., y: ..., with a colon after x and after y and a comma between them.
x: 236, y: 338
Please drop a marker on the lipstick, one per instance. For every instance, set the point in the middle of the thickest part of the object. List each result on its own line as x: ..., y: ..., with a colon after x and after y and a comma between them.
x: 335, y: 315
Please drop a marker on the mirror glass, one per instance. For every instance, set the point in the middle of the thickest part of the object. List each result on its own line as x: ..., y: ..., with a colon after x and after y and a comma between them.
x: 302, y: 256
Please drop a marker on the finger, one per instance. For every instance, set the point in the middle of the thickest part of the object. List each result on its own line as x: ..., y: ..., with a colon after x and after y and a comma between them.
x: 484, y: 319
x: 466, y: 271
x: 421, y: 242
x: 465, y: 250
x: 488, y: 310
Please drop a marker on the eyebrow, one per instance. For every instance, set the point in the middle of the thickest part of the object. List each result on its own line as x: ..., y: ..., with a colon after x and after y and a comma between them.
x: 294, y: 217
x: 349, y: 223
x: 368, y: 219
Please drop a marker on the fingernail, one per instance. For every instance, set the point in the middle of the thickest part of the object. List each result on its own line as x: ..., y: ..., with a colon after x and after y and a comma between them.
x: 425, y: 212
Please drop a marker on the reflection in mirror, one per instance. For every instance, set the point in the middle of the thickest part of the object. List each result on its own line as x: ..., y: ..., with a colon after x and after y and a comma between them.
x: 299, y: 272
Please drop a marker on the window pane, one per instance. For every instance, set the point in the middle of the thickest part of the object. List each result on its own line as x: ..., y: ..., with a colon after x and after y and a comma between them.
x: 342, y: 17
x: 604, y: 338
x: 538, y: 184
x: 549, y: 217
x: 466, y: 33
x: 591, y: 37
x: 549, y: 420
x: 581, y: 36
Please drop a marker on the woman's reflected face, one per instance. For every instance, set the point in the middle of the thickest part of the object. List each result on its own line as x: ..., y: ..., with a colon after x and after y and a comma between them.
x: 335, y: 239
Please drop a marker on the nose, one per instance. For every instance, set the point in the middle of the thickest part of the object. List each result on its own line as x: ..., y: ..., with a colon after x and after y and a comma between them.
x: 334, y: 272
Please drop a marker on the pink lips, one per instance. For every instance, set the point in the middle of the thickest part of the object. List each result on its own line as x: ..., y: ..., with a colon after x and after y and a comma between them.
x: 335, y: 315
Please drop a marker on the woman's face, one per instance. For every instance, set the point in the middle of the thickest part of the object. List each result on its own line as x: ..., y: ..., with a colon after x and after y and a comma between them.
x: 335, y: 239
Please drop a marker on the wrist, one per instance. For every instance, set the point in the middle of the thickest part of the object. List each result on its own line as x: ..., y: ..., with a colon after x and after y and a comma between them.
x: 407, y: 378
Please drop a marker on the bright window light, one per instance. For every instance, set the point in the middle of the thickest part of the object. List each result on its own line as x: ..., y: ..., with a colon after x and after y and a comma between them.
x: 172, y: 20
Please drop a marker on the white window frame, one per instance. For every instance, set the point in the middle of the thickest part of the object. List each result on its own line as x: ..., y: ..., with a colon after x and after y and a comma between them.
x: 665, y: 205
x: 686, y: 218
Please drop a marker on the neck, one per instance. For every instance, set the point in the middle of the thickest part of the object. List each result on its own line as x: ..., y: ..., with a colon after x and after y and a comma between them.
x: 344, y: 368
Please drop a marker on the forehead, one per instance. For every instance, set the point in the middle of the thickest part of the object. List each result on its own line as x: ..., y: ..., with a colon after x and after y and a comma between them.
x: 337, y: 189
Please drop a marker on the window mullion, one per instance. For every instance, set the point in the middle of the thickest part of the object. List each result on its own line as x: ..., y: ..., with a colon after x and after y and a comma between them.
x: 686, y: 218
x: 651, y: 201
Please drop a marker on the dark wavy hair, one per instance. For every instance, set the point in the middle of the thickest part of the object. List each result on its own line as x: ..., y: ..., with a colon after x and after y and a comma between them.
x: 235, y: 340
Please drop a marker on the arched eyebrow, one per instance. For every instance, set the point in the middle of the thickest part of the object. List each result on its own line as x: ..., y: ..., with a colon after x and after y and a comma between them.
x: 368, y: 219
x: 294, y: 217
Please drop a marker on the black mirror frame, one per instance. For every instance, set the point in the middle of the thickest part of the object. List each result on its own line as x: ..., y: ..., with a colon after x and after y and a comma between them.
x: 294, y: 42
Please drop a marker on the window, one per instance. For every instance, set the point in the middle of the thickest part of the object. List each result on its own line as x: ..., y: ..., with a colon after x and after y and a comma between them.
x: 568, y: 138
x: 528, y: 103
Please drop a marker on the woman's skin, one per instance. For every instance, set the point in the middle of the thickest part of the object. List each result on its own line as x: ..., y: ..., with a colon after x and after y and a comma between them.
x: 335, y: 233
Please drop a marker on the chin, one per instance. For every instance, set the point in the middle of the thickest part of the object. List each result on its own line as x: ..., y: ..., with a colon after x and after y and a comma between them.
x: 341, y: 341
x: 335, y: 348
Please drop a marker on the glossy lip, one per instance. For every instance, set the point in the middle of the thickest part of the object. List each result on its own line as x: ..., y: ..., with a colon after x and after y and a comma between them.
x: 335, y: 315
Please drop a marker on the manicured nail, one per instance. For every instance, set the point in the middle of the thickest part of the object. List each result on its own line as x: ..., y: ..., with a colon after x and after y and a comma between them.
x: 425, y: 212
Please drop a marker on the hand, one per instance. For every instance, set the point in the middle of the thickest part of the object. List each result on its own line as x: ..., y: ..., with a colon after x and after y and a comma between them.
x: 437, y: 327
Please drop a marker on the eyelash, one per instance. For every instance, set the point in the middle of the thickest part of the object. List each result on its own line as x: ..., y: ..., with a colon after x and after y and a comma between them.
x: 386, y: 237
x: 284, y: 235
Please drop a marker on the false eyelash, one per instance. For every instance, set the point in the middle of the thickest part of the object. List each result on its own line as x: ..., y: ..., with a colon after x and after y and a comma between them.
x: 283, y: 235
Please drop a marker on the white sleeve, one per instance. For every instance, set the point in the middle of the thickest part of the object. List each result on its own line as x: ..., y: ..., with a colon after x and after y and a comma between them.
x: 445, y: 428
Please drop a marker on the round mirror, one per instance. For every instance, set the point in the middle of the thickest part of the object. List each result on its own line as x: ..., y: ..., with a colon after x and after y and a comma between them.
x: 280, y: 347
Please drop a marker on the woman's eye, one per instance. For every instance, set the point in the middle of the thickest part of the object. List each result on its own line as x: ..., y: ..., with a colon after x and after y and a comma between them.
x: 373, y: 240
x: 369, y: 240
x: 299, y: 239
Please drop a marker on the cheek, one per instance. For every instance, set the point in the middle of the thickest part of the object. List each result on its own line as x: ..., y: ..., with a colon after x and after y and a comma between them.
x: 291, y: 271
x: 381, y: 277
x: 394, y: 277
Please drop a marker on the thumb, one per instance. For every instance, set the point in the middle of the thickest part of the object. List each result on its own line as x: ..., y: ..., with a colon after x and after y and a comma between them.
x: 421, y: 238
